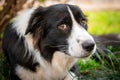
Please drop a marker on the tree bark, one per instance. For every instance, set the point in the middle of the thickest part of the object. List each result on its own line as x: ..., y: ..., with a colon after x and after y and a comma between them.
x: 10, y: 9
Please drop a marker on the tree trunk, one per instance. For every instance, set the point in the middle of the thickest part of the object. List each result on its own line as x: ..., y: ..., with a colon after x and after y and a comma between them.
x: 10, y: 9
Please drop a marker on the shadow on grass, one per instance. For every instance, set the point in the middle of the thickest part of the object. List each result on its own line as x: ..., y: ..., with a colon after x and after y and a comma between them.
x: 102, y: 66
x: 4, y: 68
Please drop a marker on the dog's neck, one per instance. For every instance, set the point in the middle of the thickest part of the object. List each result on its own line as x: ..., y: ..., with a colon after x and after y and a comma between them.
x: 56, y: 70
x: 59, y: 67
x: 62, y: 61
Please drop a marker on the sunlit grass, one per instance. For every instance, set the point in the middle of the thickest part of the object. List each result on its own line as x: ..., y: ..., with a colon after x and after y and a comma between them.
x: 88, y: 65
x: 103, y: 22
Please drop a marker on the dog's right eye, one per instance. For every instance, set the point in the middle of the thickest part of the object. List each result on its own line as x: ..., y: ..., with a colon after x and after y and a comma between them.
x: 63, y: 27
x: 83, y: 22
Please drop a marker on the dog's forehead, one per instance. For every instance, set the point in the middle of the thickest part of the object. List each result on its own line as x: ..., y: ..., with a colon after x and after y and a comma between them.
x: 59, y: 14
x: 71, y: 14
x: 62, y: 9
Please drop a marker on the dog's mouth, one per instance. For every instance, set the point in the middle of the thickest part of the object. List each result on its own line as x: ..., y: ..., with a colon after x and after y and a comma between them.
x: 83, y: 56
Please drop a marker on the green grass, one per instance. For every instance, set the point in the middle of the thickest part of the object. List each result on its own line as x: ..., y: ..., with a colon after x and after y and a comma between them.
x: 108, y: 68
x: 103, y: 22
x: 88, y: 65
x: 95, y: 70
x: 4, y: 68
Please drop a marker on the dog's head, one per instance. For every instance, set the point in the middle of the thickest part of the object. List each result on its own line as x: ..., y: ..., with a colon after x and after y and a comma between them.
x: 62, y: 28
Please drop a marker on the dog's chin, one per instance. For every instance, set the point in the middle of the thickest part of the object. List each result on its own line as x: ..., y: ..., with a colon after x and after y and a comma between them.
x: 82, y: 56
x: 79, y: 55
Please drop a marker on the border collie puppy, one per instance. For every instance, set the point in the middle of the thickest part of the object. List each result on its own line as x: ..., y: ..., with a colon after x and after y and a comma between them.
x: 45, y: 43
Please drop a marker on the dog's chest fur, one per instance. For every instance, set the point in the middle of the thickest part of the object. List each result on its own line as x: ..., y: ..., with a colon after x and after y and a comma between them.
x: 57, y: 70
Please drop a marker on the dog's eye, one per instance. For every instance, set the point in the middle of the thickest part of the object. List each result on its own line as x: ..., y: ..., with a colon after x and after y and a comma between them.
x: 63, y: 27
x: 83, y: 22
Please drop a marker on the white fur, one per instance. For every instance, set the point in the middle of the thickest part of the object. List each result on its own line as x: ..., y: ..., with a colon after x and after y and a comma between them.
x: 21, y: 21
x: 61, y: 63
x: 77, y: 33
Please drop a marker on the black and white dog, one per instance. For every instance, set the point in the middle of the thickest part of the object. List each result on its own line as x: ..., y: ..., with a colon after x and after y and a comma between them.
x: 45, y: 43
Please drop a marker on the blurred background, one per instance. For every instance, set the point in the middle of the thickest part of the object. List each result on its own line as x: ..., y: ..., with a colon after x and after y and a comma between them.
x: 104, y: 24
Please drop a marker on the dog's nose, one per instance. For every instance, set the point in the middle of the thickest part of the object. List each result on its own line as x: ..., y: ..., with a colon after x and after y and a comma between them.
x: 88, y: 45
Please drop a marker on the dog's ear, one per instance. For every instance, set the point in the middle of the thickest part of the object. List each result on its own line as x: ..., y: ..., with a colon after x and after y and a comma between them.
x: 36, y: 19
x: 36, y: 25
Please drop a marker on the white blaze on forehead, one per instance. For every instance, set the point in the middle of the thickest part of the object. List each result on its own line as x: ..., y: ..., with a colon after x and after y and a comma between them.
x: 77, y: 33
x: 77, y: 29
x: 71, y: 14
